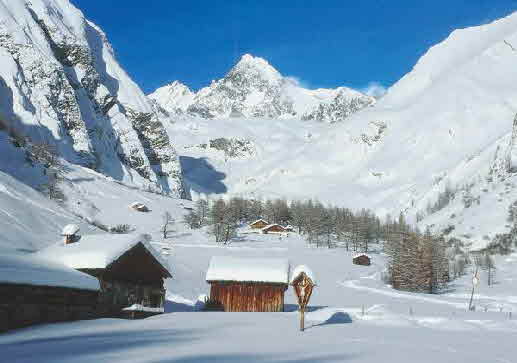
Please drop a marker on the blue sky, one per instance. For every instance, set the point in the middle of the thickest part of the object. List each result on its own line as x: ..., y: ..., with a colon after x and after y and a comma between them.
x: 325, y: 43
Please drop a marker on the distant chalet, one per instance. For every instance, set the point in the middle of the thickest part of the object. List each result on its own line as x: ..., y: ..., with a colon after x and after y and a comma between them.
x: 129, y: 270
x: 258, y: 224
x: 247, y: 284
x: 361, y: 259
x: 273, y: 228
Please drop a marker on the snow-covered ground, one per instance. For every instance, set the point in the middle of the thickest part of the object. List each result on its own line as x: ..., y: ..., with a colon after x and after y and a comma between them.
x: 439, y: 326
x: 353, y: 316
x: 395, y: 327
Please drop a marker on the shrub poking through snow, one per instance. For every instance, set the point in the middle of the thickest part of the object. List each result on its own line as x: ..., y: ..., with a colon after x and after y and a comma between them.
x: 121, y: 229
x: 140, y: 207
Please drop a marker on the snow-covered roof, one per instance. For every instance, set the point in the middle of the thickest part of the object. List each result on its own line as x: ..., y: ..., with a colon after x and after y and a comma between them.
x: 138, y: 307
x: 98, y: 250
x: 258, y: 220
x: 299, y: 270
x: 70, y: 230
x: 248, y: 269
x: 32, y: 270
x: 272, y: 225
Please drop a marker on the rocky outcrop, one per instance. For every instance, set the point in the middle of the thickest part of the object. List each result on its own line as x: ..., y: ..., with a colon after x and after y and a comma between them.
x: 339, y: 108
x: 512, y: 151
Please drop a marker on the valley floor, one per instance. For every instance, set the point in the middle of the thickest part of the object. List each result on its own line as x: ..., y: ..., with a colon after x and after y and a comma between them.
x: 395, y: 326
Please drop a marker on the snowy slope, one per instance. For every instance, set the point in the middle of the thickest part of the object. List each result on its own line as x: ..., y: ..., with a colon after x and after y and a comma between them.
x: 446, y: 124
x: 61, y: 84
x: 253, y: 88
x: 30, y: 220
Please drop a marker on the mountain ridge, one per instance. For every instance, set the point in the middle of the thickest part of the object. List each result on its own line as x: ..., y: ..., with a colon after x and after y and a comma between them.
x: 254, y: 88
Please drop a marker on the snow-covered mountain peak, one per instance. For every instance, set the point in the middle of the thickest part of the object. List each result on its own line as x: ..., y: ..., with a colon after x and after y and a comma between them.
x: 254, y: 88
x: 179, y: 86
x: 256, y: 66
x: 174, y: 97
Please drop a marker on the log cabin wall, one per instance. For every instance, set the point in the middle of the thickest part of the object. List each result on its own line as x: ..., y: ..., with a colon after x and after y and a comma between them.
x: 25, y: 305
x: 253, y: 297
x: 117, y: 294
x: 362, y: 260
x: 120, y: 294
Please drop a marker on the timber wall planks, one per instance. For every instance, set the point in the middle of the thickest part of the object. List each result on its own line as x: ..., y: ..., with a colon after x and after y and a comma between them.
x: 254, y: 297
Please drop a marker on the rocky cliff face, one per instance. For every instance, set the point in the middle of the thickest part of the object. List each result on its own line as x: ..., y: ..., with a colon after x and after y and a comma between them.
x: 62, y: 85
x: 511, y: 157
x: 253, y: 88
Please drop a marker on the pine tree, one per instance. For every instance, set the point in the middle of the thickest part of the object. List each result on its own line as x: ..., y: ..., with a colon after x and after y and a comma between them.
x: 202, y: 211
x: 488, y: 265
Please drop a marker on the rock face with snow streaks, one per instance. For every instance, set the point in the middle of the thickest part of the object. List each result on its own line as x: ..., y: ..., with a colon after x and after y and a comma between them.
x: 63, y: 86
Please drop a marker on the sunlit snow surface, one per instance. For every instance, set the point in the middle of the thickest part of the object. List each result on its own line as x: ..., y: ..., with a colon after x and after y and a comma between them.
x: 352, y: 316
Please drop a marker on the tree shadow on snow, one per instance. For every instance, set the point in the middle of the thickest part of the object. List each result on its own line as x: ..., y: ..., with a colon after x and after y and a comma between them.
x: 238, y: 239
x: 338, y: 317
x: 178, y: 235
x: 294, y: 307
x: 91, y: 344
x: 257, y: 358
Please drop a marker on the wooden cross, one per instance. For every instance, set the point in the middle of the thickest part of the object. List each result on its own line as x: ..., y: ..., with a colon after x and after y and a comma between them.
x: 303, y: 286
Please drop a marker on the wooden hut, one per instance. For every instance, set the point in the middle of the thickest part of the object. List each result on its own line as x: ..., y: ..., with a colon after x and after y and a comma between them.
x: 130, y: 271
x: 247, y: 284
x: 35, y: 290
x: 273, y: 228
x: 258, y: 224
x: 361, y: 259
x: 70, y: 233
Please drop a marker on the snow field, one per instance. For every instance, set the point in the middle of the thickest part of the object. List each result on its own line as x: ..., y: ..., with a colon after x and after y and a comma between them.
x: 352, y: 314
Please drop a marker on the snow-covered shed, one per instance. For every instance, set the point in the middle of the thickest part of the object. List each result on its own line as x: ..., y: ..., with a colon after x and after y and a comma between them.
x: 70, y: 233
x: 35, y: 290
x: 130, y: 271
x: 247, y: 284
x: 258, y: 224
